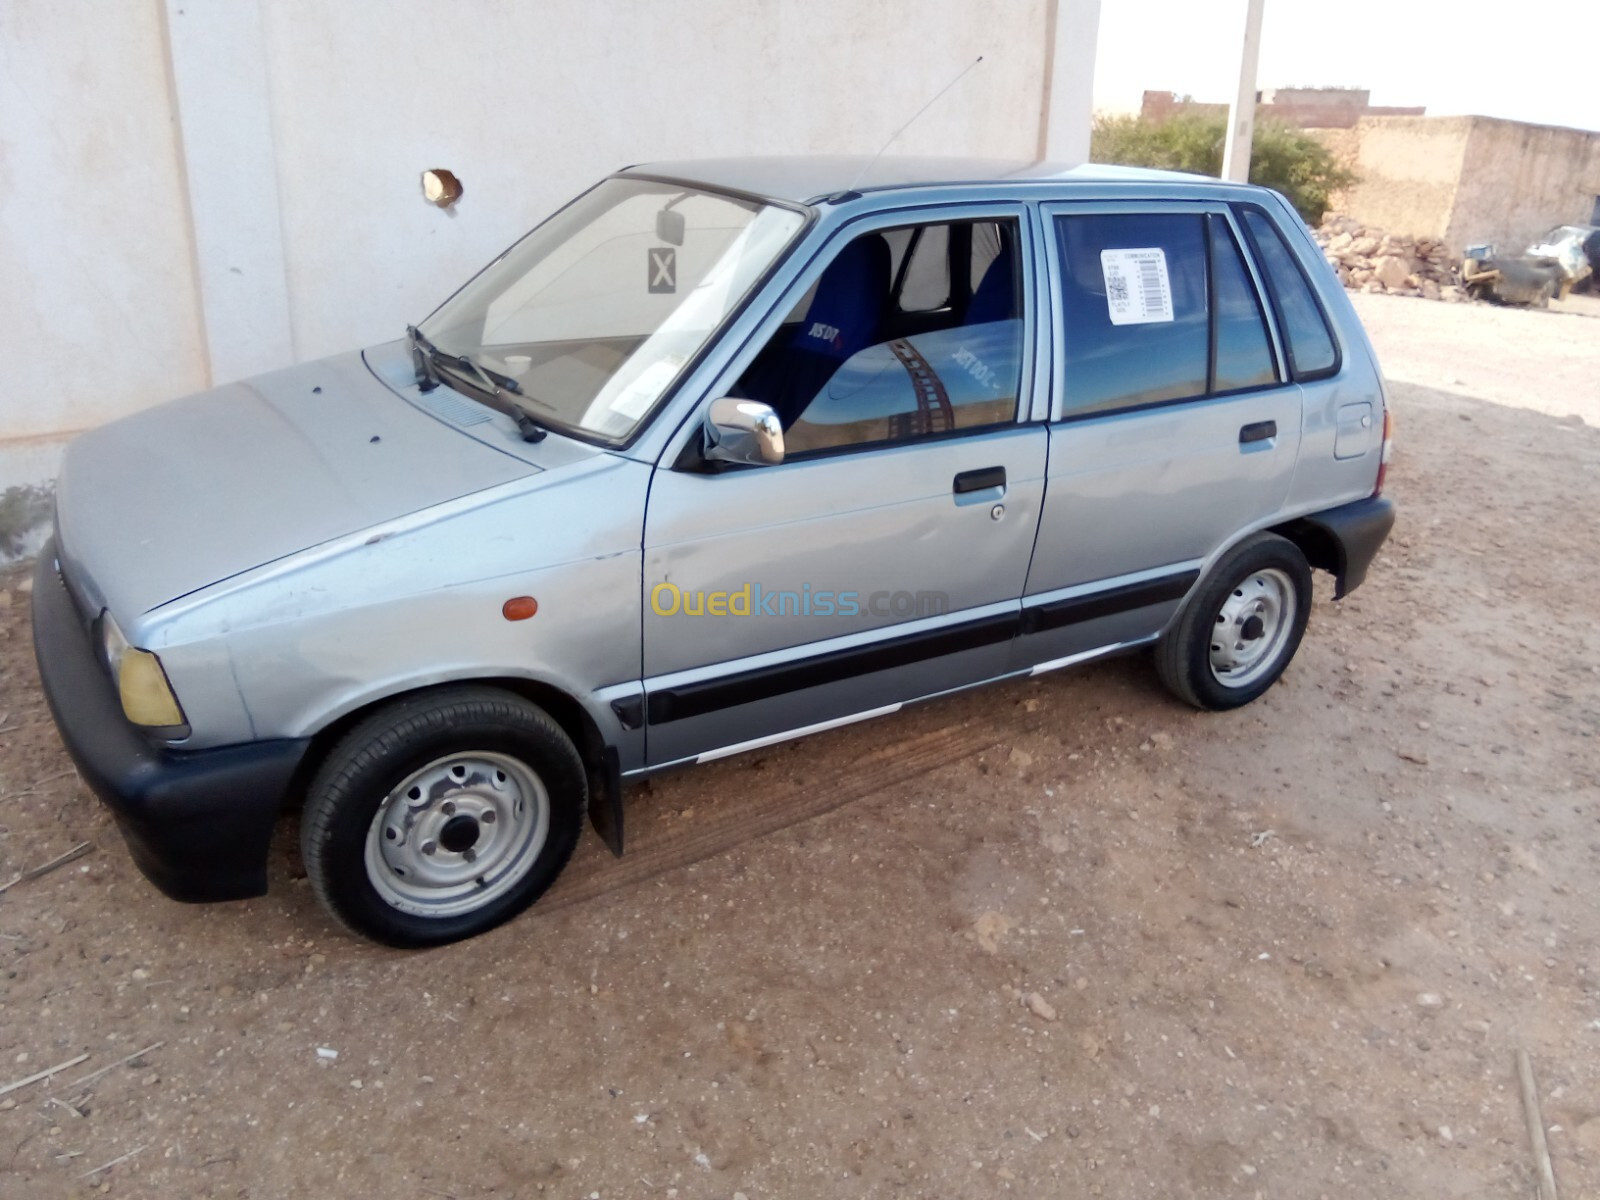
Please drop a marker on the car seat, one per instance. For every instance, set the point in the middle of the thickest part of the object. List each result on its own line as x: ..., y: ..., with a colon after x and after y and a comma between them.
x: 996, y: 296
x: 844, y: 317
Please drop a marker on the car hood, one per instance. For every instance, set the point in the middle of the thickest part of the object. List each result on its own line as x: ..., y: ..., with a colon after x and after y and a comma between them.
x: 156, y: 505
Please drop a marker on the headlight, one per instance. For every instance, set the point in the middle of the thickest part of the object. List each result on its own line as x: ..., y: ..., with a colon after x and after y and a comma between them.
x: 112, y: 645
x: 147, y: 697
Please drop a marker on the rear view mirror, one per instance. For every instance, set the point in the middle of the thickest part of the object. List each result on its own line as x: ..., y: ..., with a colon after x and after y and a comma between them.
x: 743, y: 431
x: 669, y: 227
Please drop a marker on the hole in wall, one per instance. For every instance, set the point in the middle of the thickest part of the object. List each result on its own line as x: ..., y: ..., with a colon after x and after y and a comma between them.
x: 440, y: 187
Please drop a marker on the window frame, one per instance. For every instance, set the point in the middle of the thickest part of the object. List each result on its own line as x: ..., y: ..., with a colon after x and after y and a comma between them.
x: 1265, y: 277
x: 1032, y: 383
x: 1052, y: 248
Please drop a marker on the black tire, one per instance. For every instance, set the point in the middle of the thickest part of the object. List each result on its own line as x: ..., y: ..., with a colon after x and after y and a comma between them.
x: 521, y: 777
x: 1184, y: 655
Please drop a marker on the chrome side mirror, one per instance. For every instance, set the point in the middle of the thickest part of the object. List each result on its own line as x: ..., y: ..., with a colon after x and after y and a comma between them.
x: 743, y: 431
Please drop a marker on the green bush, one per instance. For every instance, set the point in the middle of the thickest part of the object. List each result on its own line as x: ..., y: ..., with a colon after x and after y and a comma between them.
x: 1286, y: 159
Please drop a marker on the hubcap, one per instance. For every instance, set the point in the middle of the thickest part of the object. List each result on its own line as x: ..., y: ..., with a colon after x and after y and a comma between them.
x: 458, y: 834
x: 1252, y: 628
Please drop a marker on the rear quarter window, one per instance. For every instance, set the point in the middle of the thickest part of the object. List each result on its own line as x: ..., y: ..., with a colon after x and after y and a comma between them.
x: 1308, y: 341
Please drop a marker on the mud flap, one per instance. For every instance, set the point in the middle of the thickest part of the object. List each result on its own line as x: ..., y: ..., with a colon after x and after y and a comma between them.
x: 605, y: 799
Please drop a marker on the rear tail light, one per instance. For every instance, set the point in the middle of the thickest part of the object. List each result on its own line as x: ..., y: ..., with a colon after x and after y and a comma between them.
x: 1388, y: 449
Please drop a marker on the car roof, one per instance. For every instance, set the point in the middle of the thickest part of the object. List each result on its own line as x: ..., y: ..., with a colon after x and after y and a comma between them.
x: 804, y: 180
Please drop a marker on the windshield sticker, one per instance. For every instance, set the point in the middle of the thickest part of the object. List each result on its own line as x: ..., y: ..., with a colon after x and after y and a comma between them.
x: 1138, y: 291
x: 663, y: 269
x: 644, y: 391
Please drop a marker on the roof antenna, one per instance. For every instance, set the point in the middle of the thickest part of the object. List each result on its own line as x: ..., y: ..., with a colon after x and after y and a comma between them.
x: 872, y: 162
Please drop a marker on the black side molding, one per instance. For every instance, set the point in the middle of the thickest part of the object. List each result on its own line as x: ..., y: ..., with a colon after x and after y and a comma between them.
x: 730, y: 691
x: 630, y: 711
x: 1058, y: 613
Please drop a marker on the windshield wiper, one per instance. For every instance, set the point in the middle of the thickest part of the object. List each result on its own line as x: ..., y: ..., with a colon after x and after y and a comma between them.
x: 427, y: 358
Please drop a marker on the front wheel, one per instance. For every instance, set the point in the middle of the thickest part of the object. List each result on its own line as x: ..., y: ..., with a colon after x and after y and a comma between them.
x: 1239, y: 629
x: 443, y: 815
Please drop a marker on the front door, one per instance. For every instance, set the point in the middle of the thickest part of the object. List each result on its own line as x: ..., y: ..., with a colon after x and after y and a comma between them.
x: 884, y: 559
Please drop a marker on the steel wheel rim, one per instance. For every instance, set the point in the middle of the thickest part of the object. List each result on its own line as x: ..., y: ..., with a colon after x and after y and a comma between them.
x: 457, y: 834
x: 1252, y: 627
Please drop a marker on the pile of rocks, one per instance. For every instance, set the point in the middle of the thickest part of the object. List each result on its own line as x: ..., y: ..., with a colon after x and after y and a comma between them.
x: 1370, y: 260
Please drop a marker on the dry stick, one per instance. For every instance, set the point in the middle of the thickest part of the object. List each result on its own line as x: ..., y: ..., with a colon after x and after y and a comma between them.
x: 114, y: 1161
x: 1530, y: 1108
x: 93, y: 1075
x: 45, y: 1074
x: 72, y: 855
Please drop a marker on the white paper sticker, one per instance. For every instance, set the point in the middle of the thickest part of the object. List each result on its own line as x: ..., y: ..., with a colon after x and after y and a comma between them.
x: 1138, y: 291
x: 639, y: 395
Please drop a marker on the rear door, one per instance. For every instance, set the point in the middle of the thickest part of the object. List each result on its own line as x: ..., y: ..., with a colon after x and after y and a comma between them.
x: 1173, y: 422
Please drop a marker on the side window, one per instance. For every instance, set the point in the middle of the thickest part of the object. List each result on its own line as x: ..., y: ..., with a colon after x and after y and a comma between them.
x: 852, y: 367
x: 1309, y: 343
x: 1133, y: 309
x: 1243, y: 354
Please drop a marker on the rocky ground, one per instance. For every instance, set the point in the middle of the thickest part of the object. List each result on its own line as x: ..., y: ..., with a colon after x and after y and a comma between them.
x: 1057, y: 938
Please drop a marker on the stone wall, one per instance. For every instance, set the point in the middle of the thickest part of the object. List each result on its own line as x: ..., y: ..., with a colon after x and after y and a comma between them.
x: 1463, y: 180
x: 1409, y: 169
x: 1519, y: 180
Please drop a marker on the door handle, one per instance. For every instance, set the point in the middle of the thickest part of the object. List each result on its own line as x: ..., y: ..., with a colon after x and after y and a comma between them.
x: 1259, y: 431
x: 982, y: 480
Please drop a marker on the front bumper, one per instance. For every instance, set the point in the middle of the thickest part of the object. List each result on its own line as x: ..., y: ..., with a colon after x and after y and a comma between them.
x: 197, y: 822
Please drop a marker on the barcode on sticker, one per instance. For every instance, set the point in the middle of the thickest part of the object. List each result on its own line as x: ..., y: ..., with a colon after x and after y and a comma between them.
x: 1138, y: 289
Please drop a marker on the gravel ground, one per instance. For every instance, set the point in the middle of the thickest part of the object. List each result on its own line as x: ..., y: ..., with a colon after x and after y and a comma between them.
x: 1055, y: 938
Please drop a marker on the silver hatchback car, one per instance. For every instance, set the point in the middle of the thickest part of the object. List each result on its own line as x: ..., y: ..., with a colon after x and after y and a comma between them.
x: 722, y: 453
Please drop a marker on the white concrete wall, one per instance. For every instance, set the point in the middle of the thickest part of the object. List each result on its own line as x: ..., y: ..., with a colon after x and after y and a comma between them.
x: 542, y: 99
x: 98, y: 310
x: 147, y: 146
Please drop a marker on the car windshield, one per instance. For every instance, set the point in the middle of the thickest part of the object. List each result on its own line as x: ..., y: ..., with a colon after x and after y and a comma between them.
x: 1560, y: 233
x: 596, y: 312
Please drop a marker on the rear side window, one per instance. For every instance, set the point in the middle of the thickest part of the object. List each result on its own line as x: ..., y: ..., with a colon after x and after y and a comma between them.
x: 1310, y: 345
x: 1244, y: 355
x: 1134, y: 311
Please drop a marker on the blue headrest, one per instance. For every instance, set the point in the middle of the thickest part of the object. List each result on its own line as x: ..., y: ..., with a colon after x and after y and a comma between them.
x: 996, y: 297
x: 848, y: 304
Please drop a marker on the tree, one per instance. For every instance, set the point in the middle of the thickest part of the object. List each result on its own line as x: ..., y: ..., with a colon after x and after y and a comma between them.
x: 1283, y: 158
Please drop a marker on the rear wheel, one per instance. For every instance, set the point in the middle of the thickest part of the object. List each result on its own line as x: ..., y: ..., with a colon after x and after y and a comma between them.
x: 1240, y: 628
x: 443, y: 815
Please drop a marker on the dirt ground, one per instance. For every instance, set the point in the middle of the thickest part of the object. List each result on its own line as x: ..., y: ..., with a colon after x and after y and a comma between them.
x: 1056, y: 938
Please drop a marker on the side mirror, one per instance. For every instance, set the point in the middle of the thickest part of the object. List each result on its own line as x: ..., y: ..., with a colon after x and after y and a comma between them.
x: 743, y: 431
